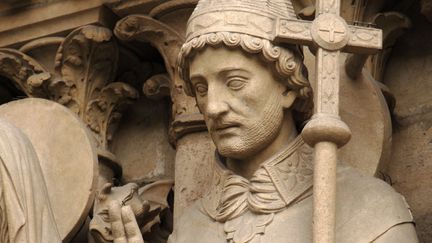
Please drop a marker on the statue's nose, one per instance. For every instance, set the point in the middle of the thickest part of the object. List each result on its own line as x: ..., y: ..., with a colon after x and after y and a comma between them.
x: 216, y: 103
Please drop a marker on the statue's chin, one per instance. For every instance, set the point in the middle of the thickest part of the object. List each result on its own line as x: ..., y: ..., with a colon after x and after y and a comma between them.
x: 234, y: 152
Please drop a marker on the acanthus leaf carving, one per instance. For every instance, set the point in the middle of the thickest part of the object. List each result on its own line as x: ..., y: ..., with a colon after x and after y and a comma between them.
x: 157, y: 87
x: 26, y: 73
x: 168, y: 42
x: 86, y: 61
x: 105, y: 111
x: 146, y: 29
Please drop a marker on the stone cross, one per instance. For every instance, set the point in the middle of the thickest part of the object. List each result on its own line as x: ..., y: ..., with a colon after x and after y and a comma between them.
x: 326, y: 132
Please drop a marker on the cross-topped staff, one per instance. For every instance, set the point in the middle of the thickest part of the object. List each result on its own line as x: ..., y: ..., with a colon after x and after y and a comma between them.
x: 326, y: 132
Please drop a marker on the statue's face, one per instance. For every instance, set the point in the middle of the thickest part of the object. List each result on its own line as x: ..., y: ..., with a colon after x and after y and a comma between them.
x: 240, y: 98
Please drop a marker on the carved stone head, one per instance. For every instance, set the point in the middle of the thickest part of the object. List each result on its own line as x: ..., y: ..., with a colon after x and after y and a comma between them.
x: 245, y: 85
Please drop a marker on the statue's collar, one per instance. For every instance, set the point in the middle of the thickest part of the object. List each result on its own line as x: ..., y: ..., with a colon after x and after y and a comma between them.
x: 280, y: 181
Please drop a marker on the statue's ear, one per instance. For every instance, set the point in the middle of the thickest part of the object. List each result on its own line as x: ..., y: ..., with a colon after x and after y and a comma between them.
x: 288, y: 98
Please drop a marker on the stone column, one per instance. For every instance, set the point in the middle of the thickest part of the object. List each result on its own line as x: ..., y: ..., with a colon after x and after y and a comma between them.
x: 165, y: 28
x: 195, y: 149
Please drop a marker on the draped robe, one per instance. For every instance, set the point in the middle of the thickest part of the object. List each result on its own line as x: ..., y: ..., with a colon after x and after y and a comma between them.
x: 25, y: 210
x: 276, y: 204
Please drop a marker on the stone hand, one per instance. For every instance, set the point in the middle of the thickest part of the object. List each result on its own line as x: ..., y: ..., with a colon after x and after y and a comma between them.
x: 124, y: 226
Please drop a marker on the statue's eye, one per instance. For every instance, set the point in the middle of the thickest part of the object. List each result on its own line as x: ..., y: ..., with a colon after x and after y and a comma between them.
x: 201, y: 89
x: 236, y: 83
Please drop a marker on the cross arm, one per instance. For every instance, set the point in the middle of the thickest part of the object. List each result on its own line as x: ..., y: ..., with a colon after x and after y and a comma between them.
x: 330, y: 33
x: 361, y: 40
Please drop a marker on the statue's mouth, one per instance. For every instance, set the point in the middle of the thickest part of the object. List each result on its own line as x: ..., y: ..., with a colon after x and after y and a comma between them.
x: 223, y: 126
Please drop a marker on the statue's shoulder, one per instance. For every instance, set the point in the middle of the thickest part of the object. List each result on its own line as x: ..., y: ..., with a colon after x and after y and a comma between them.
x: 366, y: 206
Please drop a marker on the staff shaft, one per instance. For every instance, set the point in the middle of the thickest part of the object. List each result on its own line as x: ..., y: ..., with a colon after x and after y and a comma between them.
x: 324, y: 192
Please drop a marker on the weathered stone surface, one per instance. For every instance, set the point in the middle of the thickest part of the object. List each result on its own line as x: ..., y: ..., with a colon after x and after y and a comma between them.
x: 124, y: 8
x: 18, y: 26
x: 410, y: 172
x: 67, y: 156
x: 408, y: 75
x: 141, y: 142
x: 191, y: 183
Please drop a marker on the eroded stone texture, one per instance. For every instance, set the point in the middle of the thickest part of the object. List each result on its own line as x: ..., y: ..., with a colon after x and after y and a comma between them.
x: 191, y: 183
x: 408, y: 76
x: 141, y: 143
x: 37, y: 21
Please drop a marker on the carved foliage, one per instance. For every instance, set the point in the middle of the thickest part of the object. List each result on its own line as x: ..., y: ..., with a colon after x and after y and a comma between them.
x: 161, y: 36
x: 27, y: 75
x: 157, y: 86
x: 168, y: 42
x: 87, y: 62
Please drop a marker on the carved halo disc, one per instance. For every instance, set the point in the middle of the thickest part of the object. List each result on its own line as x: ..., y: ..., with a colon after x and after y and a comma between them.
x: 330, y: 32
x: 67, y: 156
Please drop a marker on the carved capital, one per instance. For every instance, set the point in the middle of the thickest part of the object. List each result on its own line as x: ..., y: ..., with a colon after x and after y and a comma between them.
x: 25, y: 72
x: 146, y: 29
x: 105, y: 110
x: 157, y: 87
x: 86, y: 61
x: 168, y: 42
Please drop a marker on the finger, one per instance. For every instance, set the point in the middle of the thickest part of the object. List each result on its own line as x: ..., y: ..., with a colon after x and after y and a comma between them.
x: 117, y: 227
x: 133, y: 232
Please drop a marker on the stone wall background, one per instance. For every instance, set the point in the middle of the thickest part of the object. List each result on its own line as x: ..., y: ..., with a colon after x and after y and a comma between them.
x: 409, y: 77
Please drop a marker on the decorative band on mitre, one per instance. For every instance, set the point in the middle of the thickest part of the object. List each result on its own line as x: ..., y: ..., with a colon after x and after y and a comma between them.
x: 232, y: 21
x: 245, y: 18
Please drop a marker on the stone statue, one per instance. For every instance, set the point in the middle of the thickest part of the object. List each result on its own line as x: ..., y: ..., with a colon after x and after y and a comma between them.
x: 255, y: 98
x: 25, y: 209
x: 48, y: 174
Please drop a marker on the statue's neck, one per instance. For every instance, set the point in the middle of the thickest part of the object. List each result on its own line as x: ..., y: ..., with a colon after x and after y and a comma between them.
x: 247, y: 167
